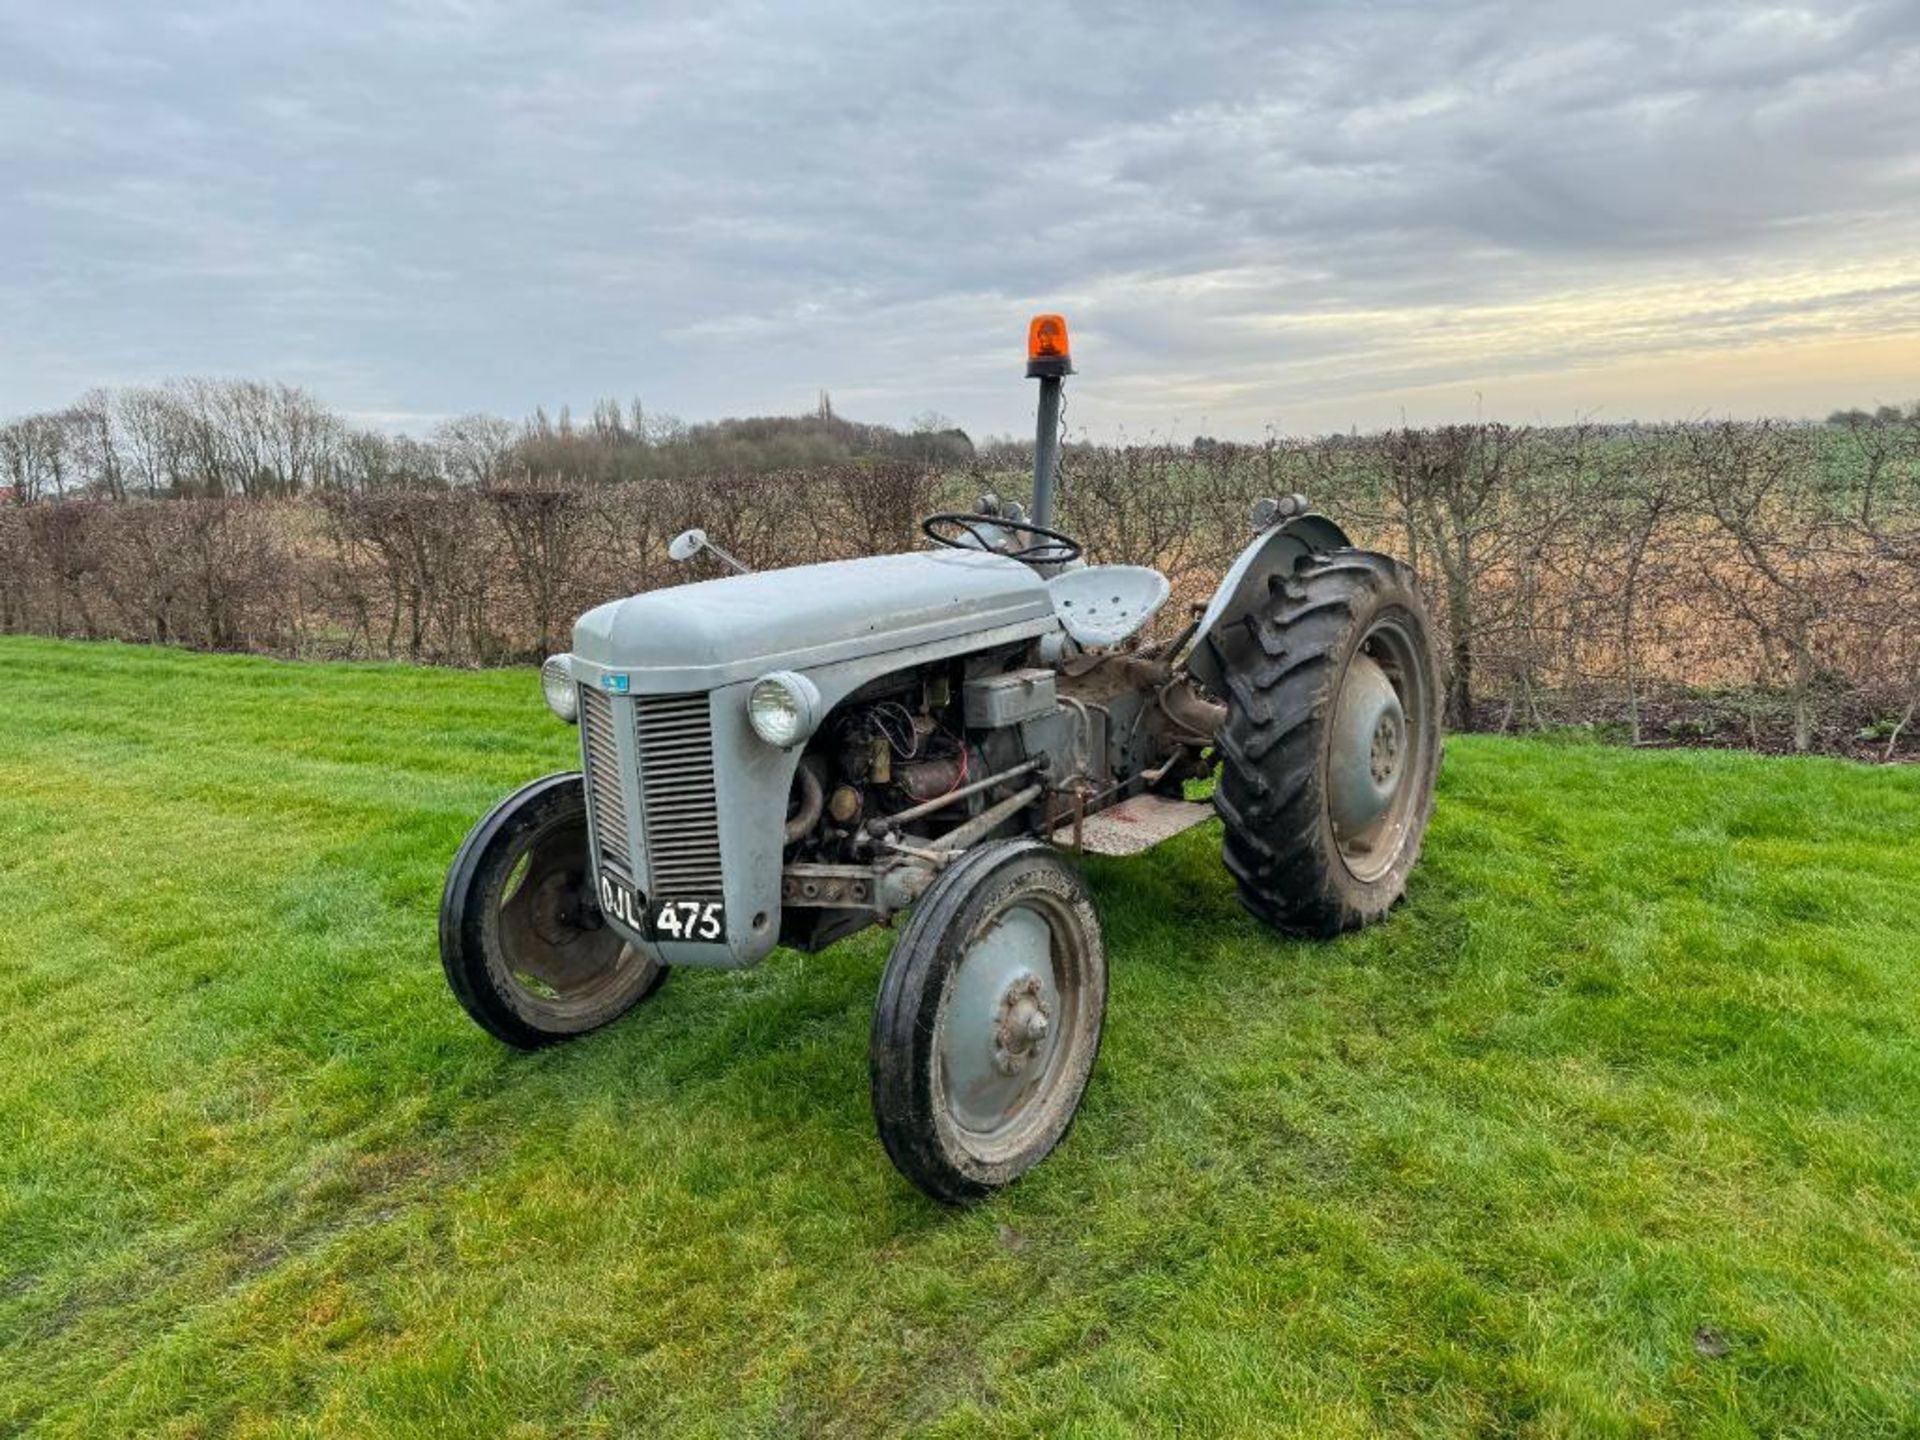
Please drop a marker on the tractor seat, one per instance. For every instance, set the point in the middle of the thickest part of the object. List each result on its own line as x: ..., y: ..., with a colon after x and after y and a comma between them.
x: 1104, y: 604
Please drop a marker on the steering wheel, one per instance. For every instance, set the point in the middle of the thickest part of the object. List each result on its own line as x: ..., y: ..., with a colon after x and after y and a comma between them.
x: 1053, y: 549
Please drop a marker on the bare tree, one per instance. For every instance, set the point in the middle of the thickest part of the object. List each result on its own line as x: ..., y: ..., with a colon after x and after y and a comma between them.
x: 1636, y: 508
x: 36, y: 458
x: 154, y: 440
x: 478, y: 449
x: 96, y: 444
x: 1466, y: 498
x: 367, y: 462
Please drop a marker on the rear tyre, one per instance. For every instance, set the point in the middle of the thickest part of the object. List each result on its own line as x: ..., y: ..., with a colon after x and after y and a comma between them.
x: 1331, y: 742
x: 988, y: 1021
x: 525, y: 950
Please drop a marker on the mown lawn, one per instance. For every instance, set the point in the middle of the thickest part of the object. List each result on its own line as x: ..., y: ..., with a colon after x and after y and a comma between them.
x: 1614, y: 1129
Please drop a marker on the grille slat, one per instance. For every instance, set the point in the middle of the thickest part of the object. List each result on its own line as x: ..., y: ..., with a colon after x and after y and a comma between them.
x: 601, y: 758
x: 678, y: 805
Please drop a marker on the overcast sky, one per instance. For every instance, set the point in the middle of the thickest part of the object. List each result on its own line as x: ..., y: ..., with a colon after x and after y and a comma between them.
x: 1305, y: 215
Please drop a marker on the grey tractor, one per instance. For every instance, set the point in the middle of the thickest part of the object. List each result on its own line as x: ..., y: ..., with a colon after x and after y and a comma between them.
x: 930, y: 739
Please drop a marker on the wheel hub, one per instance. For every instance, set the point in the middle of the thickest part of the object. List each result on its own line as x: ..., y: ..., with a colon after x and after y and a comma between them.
x: 999, y: 1031
x: 1366, y: 749
x: 554, y: 911
x: 1384, y: 757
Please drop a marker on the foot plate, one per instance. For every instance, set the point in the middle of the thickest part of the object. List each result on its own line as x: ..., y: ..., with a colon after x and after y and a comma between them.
x: 1134, y: 825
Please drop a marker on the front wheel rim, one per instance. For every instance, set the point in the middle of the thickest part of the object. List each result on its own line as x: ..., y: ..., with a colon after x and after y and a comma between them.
x: 1011, y: 1023
x: 550, y: 947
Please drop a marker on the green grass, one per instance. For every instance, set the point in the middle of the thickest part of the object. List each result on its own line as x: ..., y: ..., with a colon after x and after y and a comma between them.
x: 1635, y: 1072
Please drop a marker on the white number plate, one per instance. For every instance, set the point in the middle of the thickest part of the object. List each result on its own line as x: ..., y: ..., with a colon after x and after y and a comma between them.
x: 697, y: 920
x: 688, y: 920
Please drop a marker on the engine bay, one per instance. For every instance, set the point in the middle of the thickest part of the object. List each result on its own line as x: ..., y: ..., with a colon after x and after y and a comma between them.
x: 912, y: 759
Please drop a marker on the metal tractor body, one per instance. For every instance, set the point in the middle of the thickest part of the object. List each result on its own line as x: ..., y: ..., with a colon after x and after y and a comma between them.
x: 791, y: 756
x: 929, y: 679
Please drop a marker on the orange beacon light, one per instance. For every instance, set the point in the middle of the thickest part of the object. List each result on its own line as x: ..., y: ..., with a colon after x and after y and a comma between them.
x: 1048, y: 352
x: 1050, y: 361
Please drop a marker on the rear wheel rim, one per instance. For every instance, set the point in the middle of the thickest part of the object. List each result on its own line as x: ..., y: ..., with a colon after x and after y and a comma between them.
x: 1378, y: 747
x: 548, y: 946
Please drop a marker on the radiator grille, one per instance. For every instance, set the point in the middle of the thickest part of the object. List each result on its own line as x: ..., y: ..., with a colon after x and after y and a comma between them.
x: 602, y: 761
x: 677, y: 801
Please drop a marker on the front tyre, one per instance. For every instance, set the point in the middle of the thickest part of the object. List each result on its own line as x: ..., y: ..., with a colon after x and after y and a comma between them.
x: 1331, y: 743
x: 525, y: 950
x: 988, y: 1021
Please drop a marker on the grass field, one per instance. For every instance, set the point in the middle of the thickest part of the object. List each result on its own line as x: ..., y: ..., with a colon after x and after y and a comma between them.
x: 1613, y: 1130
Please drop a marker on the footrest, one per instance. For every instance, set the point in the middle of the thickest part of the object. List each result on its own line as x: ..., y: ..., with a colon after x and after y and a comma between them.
x: 1134, y: 825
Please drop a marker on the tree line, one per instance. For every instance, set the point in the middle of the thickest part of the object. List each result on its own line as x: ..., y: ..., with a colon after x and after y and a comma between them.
x: 249, y: 439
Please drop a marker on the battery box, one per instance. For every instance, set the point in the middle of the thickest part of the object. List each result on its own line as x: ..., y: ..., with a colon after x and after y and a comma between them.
x: 995, y: 700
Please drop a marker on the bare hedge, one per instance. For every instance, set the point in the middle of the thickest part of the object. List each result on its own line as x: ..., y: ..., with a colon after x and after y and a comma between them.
x: 1748, y: 582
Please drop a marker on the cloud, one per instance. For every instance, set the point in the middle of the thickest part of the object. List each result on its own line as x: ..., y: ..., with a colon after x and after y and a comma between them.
x: 1315, y: 215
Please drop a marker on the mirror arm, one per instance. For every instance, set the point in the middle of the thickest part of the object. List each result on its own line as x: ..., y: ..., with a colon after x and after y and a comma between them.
x: 738, y: 567
x: 689, y: 543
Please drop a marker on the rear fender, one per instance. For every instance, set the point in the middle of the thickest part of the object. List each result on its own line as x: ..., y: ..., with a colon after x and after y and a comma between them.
x: 1274, y: 551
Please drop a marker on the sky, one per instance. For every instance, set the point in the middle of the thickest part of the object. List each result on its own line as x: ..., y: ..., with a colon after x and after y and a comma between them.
x: 1304, y: 217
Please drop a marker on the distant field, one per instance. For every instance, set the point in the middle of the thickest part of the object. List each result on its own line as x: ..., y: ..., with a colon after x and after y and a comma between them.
x: 1613, y: 1130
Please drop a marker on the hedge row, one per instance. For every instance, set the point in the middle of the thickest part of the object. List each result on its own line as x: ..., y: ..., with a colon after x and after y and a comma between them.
x: 1766, y: 575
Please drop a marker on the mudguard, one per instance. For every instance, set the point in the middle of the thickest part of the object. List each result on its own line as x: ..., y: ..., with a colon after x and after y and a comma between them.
x: 1274, y: 551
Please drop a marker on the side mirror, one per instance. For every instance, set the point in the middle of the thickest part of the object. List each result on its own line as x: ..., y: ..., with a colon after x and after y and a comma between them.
x: 689, y: 543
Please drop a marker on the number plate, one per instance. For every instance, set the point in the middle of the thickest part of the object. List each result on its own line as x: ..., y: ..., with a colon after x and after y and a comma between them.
x: 698, y: 920
x: 619, y: 901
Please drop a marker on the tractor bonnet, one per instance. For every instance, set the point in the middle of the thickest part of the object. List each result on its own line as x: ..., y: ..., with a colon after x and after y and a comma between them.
x: 716, y: 632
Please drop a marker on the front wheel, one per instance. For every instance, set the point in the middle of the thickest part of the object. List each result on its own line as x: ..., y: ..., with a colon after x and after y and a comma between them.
x: 525, y: 950
x: 989, y: 1020
x: 1331, y: 742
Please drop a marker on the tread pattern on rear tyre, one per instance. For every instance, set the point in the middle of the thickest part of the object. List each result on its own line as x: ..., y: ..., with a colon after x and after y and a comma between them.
x: 1283, y: 663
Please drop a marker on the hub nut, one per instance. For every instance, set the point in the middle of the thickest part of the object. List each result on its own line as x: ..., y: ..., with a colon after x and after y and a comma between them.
x: 1021, y: 1026
x: 1384, y: 756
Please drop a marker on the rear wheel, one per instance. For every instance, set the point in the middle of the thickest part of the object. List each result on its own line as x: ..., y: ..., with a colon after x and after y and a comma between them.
x: 1331, y: 743
x: 525, y: 949
x: 989, y: 1020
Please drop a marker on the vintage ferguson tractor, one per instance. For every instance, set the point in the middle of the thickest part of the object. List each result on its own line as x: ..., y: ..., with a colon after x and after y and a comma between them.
x: 787, y: 757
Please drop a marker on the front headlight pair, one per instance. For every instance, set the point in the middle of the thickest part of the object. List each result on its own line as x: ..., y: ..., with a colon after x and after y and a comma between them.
x: 783, y: 707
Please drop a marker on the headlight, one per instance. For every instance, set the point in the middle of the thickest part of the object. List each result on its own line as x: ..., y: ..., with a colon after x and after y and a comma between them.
x: 783, y: 708
x: 556, y: 683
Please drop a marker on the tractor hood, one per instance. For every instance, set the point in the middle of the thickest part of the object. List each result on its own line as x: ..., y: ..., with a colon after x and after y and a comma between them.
x: 716, y: 632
